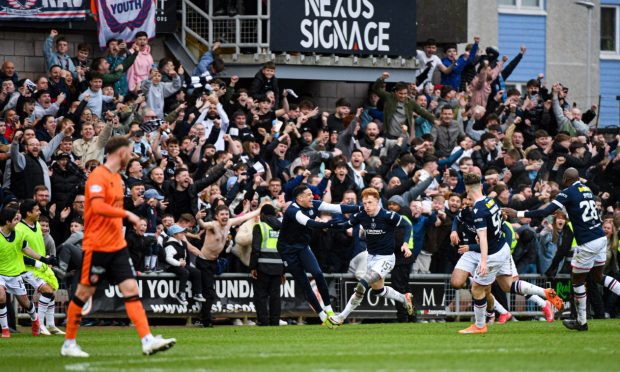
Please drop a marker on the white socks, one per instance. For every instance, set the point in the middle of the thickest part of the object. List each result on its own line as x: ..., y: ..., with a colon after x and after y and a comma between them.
x: 353, y: 303
x: 480, y: 310
x: 44, y: 303
x: 524, y: 288
x: 580, y: 300
x: 612, y: 284
x: 4, y: 321
x: 392, y: 294
x: 32, y: 312
x: 537, y: 300
x: 49, y: 314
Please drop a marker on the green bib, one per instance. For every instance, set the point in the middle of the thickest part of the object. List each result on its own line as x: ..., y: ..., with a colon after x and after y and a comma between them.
x: 11, y: 256
x: 34, y: 237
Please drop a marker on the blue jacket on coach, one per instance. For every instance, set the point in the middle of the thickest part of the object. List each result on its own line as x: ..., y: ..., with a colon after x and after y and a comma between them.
x: 297, y: 222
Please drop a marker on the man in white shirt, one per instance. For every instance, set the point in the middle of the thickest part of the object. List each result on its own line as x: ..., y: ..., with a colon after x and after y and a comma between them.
x: 428, y: 55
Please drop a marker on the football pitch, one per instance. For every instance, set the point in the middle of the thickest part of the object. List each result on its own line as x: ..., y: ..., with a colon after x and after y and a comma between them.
x: 522, y: 345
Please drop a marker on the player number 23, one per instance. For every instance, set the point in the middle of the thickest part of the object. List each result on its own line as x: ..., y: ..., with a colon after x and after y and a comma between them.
x: 589, y: 210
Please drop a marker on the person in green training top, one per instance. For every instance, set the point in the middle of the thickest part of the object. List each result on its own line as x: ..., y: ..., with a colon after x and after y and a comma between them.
x: 39, y: 275
x: 13, y: 246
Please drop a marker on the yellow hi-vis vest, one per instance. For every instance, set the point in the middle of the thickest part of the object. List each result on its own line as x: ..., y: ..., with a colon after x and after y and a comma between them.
x: 410, y: 242
x: 269, y: 244
x: 513, y: 242
x: 574, y: 243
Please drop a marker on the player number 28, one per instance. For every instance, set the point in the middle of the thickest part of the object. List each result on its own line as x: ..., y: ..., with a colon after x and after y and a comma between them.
x: 589, y: 210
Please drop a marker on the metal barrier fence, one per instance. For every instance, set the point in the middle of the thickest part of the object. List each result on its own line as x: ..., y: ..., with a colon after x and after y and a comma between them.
x: 250, y: 32
x: 457, y: 303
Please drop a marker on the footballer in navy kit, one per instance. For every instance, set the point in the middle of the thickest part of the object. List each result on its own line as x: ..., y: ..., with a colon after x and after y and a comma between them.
x: 294, y: 240
x: 379, y: 225
x: 590, y: 253
x: 493, y: 261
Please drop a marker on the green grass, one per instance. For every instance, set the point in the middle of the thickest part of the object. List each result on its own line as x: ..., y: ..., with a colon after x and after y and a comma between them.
x: 423, y: 347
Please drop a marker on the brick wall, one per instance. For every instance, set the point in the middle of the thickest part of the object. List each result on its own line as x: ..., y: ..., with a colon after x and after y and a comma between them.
x: 25, y: 49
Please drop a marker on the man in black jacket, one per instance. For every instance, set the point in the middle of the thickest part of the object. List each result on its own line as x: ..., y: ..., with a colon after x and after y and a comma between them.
x: 402, y: 268
x: 182, y: 193
x: 266, y: 267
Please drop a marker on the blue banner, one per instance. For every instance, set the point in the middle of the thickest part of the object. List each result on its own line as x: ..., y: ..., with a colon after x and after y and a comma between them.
x: 43, y: 10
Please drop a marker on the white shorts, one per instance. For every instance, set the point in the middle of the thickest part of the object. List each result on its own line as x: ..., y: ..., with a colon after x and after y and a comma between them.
x: 33, y: 280
x: 382, y: 265
x: 13, y: 284
x: 358, y: 265
x: 497, y: 264
x: 589, y: 255
x: 513, y: 269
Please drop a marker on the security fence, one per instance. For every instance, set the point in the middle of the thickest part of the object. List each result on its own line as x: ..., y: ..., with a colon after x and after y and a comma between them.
x: 433, y: 298
x: 249, y: 32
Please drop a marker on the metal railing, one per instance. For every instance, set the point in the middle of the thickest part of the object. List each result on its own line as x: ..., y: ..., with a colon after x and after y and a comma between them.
x: 458, y: 303
x: 248, y: 32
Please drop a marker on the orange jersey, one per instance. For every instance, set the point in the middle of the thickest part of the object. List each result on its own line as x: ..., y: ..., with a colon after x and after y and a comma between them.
x: 103, y: 234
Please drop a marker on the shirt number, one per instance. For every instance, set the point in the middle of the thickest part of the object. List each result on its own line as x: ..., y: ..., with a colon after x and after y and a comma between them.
x: 497, y: 222
x: 589, y: 210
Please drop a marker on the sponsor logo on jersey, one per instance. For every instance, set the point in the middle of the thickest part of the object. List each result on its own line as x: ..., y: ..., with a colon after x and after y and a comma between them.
x: 96, y: 188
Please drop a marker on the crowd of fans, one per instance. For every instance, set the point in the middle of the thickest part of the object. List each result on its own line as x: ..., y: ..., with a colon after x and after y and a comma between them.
x: 201, y: 142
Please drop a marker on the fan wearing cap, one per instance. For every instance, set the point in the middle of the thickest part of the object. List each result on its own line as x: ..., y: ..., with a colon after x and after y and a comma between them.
x: 177, y: 262
x: 266, y: 267
x: 44, y: 106
x: 335, y: 121
x: 65, y: 178
x: 152, y: 210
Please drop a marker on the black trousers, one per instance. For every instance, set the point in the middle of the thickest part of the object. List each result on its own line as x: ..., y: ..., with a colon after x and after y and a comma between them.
x: 185, y: 273
x: 207, y: 270
x: 400, y: 282
x: 267, y: 299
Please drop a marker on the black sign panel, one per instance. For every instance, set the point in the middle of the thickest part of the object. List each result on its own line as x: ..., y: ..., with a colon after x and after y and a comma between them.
x: 166, y: 16
x: 428, y: 299
x: 234, y: 296
x: 377, y: 27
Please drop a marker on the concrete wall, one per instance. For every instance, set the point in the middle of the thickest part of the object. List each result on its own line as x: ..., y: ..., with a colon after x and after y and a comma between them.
x: 567, y: 30
x: 482, y: 21
x: 25, y: 49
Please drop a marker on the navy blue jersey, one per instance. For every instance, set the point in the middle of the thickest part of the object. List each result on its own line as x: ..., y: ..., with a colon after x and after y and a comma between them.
x: 298, y: 221
x: 488, y: 217
x: 463, y: 224
x: 380, y: 230
x: 578, y: 201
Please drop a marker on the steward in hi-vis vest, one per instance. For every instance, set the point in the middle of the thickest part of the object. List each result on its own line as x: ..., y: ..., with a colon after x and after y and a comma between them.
x: 266, y: 267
